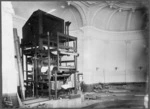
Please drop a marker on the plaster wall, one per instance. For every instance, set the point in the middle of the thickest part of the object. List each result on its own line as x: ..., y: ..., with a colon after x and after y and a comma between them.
x: 9, y: 71
x: 18, y: 23
x: 111, y: 57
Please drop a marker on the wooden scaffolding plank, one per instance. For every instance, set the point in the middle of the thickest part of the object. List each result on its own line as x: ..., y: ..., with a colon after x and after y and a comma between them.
x: 35, y: 71
x: 19, y: 63
x: 35, y: 101
x: 75, y: 76
x: 49, y: 72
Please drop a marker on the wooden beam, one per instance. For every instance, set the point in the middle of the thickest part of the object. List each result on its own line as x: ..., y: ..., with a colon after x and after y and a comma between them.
x: 49, y: 64
x: 26, y: 70
x: 17, y: 47
x: 57, y: 65
x: 35, y: 69
x: 75, y: 76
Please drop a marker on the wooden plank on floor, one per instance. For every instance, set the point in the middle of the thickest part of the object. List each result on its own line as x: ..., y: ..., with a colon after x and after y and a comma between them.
x: 35, y: 100
x: 30, y: 98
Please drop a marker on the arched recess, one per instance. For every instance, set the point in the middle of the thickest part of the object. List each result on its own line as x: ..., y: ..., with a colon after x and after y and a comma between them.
x: 71, y: 14
x: 100, y: 7
x: 81, y: 11
x: 117, y: 19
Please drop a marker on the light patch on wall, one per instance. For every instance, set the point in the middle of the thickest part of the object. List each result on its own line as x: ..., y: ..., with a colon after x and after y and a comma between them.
x: 52, y: 10
x: 62, y: 6
x: 9, y: 72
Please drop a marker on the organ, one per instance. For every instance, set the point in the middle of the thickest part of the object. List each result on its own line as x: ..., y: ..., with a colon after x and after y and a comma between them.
x: 45, y: 41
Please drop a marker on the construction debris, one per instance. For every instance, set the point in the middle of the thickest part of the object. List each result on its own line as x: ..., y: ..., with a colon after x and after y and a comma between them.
x: 91, y: 96
x: 42, y: 105
x: 7, y: 102
x: 72, y: 96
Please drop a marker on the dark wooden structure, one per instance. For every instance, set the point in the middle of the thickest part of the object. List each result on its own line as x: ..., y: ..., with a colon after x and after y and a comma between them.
x: 39, y: 24
x: 46, y: 41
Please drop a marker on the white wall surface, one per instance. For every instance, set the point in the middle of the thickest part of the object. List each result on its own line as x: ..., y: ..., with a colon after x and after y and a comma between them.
x: 9, y: 71
x: 18, y: 23
x: 114, y: 56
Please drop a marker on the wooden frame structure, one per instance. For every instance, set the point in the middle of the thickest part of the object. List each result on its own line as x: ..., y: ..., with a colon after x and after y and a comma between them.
x: 48, y: 49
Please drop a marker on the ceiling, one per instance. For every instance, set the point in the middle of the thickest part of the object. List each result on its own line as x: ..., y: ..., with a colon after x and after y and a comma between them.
x: 107, y: 15
x: 21, y: 7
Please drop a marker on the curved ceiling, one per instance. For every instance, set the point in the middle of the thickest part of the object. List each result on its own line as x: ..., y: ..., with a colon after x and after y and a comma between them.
x: 117, y: 19
x: 107, y: 15
x: 58, y: 8
x: 117, y: 15
x: 70, y: 13
x: 26, y: 8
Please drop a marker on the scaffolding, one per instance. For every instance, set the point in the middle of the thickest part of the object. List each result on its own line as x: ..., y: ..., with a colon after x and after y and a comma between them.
x: 49, y: 58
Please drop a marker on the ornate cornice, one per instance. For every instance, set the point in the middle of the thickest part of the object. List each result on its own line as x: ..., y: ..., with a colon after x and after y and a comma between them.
x: 86, y: 10
x: 125, y: 5
x: 82, y: 10
x: 113, y: 36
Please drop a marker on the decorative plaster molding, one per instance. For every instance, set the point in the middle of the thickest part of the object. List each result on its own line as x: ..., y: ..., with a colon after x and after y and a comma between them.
x: 77, y: 33
x: 99, y: 9
x: 109, y: 19
x: 129, y: 21
x: 89, y: 9
x: 82, y: 10
x: 125, y: 5
x: 113, y: 32
x: 111, y: 35
x: 74, y: 18
x: 89, y: 3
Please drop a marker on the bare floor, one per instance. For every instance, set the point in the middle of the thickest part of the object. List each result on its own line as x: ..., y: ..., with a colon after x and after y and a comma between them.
x: 113, y: 96
x: 120, y: 97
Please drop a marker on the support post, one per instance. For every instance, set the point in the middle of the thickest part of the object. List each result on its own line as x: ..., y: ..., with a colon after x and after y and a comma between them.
x: 57, y: 66
x: 22, y: 57
x: 56, y: 84
x: 49, y: 72
x: 35, y: 68
x: 33, y: 78
x: 17, y: 47
x: 75, y: 58
x: 27, y: 72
